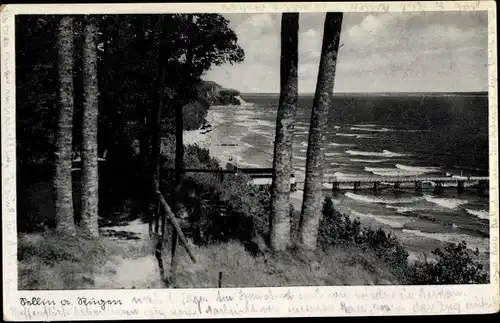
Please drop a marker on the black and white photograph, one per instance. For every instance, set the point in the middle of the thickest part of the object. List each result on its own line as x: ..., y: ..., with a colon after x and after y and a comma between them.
x: 238, y: 150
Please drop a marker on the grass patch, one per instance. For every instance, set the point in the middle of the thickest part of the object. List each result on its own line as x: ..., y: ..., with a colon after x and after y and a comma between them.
x: 51, y: 261
x: 335, y: 266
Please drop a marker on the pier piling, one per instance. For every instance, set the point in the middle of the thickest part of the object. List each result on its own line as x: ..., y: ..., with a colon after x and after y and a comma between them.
x: 397, y: 185
x: 418, y: 186
x: 376, y: 187
x: 335, y: 186
x: 357, y: 186
x: 438, y: 189
x: 481, y: 187
x: 460, y: 187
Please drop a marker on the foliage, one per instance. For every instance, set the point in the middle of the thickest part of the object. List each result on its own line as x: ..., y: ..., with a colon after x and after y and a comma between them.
x: 131, y: 51
x: 336, y: 228
x: 453, y: 266
x: 231, y: 209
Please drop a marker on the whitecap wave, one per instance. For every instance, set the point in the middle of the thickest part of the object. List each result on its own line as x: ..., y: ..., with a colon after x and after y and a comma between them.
x: 370, y: 129
x: 472, y: 242
x: 300, y: 157
x: 301, y: 127
x: 304, y: 144
x: 402, y: 209
x: 396, y: 173
x: 343, y: 176
x: 418, y: 168
x: 332, y: 154
x: 356, y: 135
x: 448, y: 203
x: 384, y: 153
x: 373, y: 199
x: 370, y: 125
x: 391, y: 172
x: 378, y: 218
x: 328, y: 186
x: 335, y: 144
x: 481, y: 214
x: 371, y: 161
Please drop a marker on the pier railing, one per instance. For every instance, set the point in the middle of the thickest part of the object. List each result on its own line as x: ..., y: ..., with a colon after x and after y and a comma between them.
x: 263, y: 177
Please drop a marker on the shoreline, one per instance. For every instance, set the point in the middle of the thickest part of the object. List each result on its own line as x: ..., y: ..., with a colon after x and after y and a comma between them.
x: 415, y: 245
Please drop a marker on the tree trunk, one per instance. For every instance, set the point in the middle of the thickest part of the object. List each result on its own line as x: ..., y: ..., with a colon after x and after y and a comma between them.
x: 279, y: 224
x: 90, y: 176
x: 63, y: 162
x: 179, y: 118
x: 156, y: 133
x: 179, y: 144
x: 311, y: 206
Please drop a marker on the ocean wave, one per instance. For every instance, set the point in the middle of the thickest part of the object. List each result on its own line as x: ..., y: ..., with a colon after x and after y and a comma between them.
x: 403, y: 209
x: 371, y: 129
x: 370, y: 125
x: 372, y: 199
x: 378, y: 218
x: 356, y: 135
x: 418, y: 169
x: 378, y: 169
x: 301, y: 127
x: 335, y: 144
x: 472, y: 242
x: 332, y: 154
x: 248, y: 165
x: 372, y: 161
x: 300, y: 157
x: 396, y: 173
x: 448, y: 203
x: 384, y: 153
x: 481, y: 214
x: 304, y: 144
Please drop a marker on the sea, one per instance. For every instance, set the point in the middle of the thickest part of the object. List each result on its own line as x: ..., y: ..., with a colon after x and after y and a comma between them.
x: 393, y: 134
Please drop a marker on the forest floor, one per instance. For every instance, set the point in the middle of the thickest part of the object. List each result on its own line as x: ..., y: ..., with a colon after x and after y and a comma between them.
x: 123, y: 257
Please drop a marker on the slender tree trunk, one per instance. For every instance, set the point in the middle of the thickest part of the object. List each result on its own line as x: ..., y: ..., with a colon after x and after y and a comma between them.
x: 179, y: 144
x: 311, y: 206
x: 179, y: 118
x: 90, y: 176
x: 279, y: 224
x: 156, y: 133
x: 63, y: 162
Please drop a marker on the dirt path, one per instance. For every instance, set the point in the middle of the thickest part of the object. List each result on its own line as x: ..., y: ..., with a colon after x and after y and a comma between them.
x: 134, y: 266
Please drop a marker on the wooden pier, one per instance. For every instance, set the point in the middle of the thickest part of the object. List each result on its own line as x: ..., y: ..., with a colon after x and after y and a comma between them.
x: 375, y: 182
x: 263, y: 177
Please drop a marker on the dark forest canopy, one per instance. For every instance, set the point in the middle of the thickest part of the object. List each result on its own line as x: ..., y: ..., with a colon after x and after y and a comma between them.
x: 130, y: 50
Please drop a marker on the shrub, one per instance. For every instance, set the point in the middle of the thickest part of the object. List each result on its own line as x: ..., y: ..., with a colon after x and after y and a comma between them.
x: 339, y: 229
x: 231, y: 209
x: 453, y: 266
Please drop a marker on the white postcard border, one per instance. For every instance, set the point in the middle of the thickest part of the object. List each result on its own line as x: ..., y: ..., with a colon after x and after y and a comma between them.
x: 245, y: 302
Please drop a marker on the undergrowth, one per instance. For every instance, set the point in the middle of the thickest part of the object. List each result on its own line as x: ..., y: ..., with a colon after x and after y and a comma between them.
x: 453, y: 265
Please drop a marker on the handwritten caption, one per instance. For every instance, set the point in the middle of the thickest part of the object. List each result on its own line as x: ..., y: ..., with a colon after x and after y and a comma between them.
x: 241, y: 303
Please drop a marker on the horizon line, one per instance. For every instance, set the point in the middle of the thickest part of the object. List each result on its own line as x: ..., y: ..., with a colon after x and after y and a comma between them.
x: 394, y: 92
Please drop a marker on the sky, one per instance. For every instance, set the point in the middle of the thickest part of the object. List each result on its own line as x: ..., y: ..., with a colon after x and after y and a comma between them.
x: 387, y: 52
